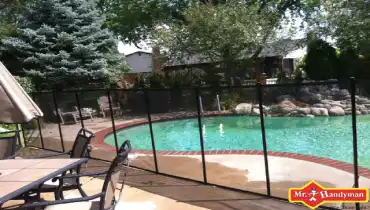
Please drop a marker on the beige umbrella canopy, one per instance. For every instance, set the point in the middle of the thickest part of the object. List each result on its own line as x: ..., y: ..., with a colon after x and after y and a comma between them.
x: 16, y: 106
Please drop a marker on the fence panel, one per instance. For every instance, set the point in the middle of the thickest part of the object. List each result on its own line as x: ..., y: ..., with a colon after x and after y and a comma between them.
x: 130, y: 117
x: 48, y: 135
x: 232, y: 138
x: 307, y: 129
x: 176, y: 132
x: 362, y: 99
x: 309, y: 136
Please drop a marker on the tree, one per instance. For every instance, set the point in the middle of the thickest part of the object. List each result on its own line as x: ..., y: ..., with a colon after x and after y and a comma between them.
x: 134, y: 20
x: 349, y: 24
x: 321, y: 60
x: 231, y: 35
x: 62, y: 44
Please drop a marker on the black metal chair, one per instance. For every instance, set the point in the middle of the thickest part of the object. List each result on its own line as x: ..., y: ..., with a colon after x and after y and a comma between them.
x: 104, y: 200
x: 81, y: 148
x: 8, y: 144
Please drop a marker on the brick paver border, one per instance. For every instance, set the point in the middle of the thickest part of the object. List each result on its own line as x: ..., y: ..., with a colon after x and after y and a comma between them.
x: 98, y: 142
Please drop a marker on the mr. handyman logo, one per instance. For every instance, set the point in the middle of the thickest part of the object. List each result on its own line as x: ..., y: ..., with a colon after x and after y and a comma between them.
x: 313, y: 195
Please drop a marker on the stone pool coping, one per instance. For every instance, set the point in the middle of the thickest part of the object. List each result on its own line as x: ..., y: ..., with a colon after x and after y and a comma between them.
x: 98, y: 142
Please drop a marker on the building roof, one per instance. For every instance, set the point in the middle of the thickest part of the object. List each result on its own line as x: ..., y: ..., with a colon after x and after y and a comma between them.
x: 278, y: 48
x: 137, y: 52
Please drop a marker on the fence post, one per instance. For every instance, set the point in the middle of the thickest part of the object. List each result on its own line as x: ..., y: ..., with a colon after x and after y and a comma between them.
x: 354, y: 133
x: 79, y: 110
x: 147, y: 101
x: 56, y: 108
x: 263, y: 132
x: 24, y: 136
x: 201, y: 135
x: 39, y: 125
x: 112, y: 119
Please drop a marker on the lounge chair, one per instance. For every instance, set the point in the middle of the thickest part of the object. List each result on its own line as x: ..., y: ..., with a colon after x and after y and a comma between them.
x: 86, y: 113
x: 81, y: 148
x: 105, y: 200
x: 103, y: 102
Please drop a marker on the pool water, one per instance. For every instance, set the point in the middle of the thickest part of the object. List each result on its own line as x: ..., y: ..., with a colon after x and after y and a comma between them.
x: 329, y: 137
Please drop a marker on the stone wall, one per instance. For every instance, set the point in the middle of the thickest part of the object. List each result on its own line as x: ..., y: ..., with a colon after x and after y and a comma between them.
x: 310, y: 101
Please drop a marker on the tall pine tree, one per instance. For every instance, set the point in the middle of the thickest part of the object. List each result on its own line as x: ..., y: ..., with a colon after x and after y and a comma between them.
x: 62, y: 44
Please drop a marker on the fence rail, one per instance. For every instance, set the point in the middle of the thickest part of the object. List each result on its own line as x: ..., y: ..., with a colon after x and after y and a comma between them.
x: 152, y: 104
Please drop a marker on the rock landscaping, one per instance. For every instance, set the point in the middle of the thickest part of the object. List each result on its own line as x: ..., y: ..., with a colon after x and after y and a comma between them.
x: 310, y: 102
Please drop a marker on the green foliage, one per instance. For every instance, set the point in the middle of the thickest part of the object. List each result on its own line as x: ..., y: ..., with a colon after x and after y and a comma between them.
x: 348, y: 64
x: 11, y: 127
x: 185, y: 78
x: 62, y: 44
x: 26, y: 84
x: 282, y: 77
x: 157, y: 80
x: 222, y: 33
x: 134, y: 20
x: 321, y: 60
x: 228, y: 101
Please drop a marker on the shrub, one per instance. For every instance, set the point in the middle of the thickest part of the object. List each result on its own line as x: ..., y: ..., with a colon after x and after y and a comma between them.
x: 185, y: 78
x: 157, y: 80
x: 227, y: 101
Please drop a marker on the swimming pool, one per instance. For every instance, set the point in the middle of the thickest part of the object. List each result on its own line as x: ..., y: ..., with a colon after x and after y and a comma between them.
x: 329, y: 137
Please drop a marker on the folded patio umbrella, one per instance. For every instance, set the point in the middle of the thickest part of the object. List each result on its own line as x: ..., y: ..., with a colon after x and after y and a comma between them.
x: 16, y: 106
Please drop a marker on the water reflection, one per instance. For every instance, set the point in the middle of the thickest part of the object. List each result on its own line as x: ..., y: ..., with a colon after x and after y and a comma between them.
x: 274, y: 122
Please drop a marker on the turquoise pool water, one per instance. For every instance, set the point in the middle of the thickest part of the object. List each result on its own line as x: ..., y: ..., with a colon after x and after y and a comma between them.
x: 329, y: 137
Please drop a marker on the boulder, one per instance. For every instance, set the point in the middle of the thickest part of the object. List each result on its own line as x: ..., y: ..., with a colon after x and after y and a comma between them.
x: 284, y: 98
x: 310, y: 97
x: 243, y: 108
x: 337, y: 103
x: 304, y: 110
x: 358, y: 113
x: 319, y: 111
x: 336, y: 111
x: 286, y: 106
x: 327, y: 106
x: 342, y: 92
x: 319, y: 105
x: 255, y: 112
x: 326, y: 101
x: 310, y: 116
x: 364, y: 112
x: 362, y: 100
x: 361, y: 107
x: 348, y: 111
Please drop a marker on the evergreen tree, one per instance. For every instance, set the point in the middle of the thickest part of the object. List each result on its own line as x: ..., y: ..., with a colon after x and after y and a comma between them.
x: 62, y: 44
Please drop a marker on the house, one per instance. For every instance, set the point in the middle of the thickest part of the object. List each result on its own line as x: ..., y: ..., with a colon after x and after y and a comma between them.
x: 273, y: 57
x: 140, y: 62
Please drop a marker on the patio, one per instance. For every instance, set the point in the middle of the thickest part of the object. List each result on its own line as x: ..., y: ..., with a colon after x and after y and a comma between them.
x: 150, y: 190
x: 223, y: 169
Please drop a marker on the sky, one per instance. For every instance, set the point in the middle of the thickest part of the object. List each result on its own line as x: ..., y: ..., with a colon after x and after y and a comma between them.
x: 129, y: 48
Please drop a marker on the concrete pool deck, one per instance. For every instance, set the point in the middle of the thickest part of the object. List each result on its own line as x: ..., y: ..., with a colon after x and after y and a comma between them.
x: 241, y: 169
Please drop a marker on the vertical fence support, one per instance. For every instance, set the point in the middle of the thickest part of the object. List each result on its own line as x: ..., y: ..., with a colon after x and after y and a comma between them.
x: 147, y: 101
x: 39, y: 126
x: 56, y: 108
x: 263, y: 132
x: 79, y: 109
x: 197, y: 96
x: 24, y: 136
x: 22, y: 141
x: 354, y: 133
x: 112, y: 119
